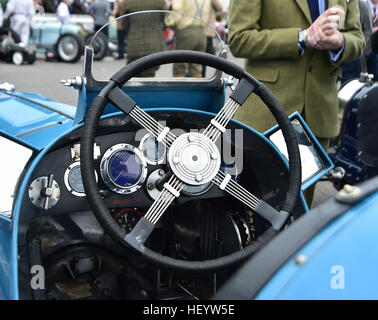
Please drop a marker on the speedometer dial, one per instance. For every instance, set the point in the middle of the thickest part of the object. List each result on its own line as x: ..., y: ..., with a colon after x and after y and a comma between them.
x: 123, y: 168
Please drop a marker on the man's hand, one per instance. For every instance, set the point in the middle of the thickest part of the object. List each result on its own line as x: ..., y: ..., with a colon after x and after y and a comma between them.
x: 323, y: 33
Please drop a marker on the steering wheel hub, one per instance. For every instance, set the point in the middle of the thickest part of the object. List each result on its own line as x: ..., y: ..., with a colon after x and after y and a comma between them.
x: 194, y: 158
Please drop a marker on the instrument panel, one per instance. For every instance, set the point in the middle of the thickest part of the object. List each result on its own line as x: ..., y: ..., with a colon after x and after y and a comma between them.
x: 131, y: 168
x: 127, y: 170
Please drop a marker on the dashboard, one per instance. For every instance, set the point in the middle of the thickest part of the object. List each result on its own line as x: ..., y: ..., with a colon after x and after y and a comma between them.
x: 57, y: 224
x: 131, y: 167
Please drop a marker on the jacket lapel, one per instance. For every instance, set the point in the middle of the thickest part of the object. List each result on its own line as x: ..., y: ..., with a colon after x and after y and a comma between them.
x: 305, y: 10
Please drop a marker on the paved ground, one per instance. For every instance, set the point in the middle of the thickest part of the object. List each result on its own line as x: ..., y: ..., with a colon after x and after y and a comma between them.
x: 43, y: 77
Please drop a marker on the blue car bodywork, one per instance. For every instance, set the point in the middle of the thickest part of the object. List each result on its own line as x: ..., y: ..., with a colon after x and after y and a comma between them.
x: 44, y: 123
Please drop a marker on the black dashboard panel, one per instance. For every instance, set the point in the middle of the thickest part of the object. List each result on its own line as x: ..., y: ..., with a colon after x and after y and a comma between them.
x: 263, y: 172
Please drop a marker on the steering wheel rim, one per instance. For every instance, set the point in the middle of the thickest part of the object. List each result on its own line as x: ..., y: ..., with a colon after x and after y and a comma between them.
x: 112, y: 93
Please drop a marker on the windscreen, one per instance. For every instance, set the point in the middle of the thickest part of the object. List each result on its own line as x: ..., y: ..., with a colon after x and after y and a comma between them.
x: 141, y: 33
x: 310, y: 159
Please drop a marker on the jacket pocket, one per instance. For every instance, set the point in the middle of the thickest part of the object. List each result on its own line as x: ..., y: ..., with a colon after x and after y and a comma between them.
x: 264, y: 74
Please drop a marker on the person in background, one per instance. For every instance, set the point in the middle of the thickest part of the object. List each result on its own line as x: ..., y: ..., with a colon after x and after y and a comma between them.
x: 38, y: 8
x: 21, y: 13
x: 352, y: 70
x: 190, y: 33
x: 145, y: 35
x: 295, y: 48
x: 49, y: 6
x: 216, y: 9
x: 78, y: 7
x: 121, y: 29
x: 100, y: 11
x: 63, y: 11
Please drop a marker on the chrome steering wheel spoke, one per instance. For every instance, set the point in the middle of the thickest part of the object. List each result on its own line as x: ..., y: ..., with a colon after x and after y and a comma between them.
x: 128, y: 106
x: 226, y: 183
x: 170, y: 191
x: 218, y: 125
x: 137, y: 237
x: 161, y: 133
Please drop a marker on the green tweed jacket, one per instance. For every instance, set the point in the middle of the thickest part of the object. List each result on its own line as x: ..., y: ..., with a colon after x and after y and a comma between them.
x: 265, y: 33
x: 145, y: 30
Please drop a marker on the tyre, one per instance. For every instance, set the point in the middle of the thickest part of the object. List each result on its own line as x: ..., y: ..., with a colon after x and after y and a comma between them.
x: 17, y: 58
x: 31, y: 58
x: 99, y: 44
x: 69, y: 48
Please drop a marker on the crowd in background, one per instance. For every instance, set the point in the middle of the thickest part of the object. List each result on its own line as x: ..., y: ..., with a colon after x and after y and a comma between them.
x: 144, y: 33
x: 188, y: 35
x: 368, y: 61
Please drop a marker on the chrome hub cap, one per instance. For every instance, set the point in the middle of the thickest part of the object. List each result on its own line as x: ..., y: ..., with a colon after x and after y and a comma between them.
x: 194, y: 159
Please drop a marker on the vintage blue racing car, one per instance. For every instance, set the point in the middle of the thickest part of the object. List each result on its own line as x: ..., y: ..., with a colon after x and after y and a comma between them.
x: 148, y: 189
x: 65, y: 42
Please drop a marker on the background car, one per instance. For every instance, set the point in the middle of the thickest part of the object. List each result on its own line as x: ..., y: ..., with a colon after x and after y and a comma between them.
x: 49, y: 34
x: 12, y: 51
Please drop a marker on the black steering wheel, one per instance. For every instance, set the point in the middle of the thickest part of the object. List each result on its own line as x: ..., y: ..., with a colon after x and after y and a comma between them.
x: 193, y: 158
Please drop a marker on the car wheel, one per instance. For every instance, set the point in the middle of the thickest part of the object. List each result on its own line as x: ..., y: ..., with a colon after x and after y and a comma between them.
x: 32, y: 57
x: 17, y: 58
x: 99, y: 44
x: 69, y: 48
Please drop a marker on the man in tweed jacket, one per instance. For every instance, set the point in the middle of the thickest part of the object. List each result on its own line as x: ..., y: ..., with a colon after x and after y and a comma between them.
x: 266, y: 34
x: 295, y: 49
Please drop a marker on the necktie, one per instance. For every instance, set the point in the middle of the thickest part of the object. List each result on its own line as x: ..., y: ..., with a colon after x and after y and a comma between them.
x: 313, y: 5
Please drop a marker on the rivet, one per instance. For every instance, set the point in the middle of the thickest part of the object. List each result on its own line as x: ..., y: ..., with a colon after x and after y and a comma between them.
x: 300, y: 259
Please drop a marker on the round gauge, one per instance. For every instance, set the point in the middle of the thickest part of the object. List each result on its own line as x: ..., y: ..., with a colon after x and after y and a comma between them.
x: 127, y: 218
x: 73, y: 180
x: 154, y: 151
x: 123, y: 168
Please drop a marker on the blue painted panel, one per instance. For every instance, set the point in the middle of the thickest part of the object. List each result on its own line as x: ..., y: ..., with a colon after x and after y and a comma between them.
x: 41, y: 138
x: 5, y: 259
x: 24, y: 113
x: 350, y: 243
x: 193, y: 98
